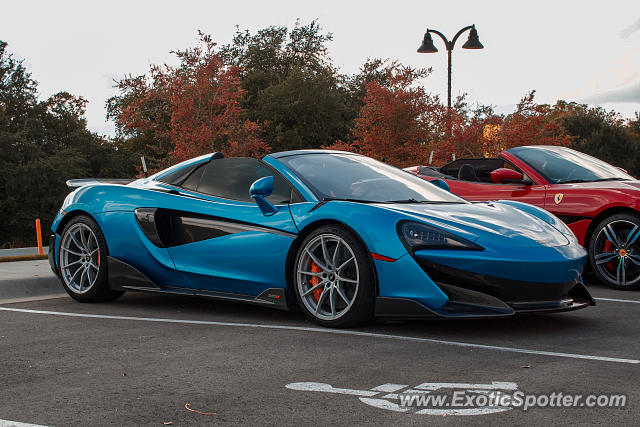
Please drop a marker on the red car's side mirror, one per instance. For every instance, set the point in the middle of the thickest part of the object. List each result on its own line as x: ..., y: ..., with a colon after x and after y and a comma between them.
x: 506, y: 176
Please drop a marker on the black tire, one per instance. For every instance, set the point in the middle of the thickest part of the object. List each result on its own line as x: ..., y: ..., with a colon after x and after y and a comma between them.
x: 99, y: 290
x: 609, y: 266
x: 360, y: 309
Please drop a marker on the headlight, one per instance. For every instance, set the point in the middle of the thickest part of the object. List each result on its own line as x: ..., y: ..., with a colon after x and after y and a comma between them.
x: 416, y: 235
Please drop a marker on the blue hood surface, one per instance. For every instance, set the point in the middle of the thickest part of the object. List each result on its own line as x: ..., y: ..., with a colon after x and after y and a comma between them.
x: 493, y: 225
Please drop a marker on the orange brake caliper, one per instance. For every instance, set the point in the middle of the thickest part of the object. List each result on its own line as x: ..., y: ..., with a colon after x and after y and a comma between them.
x: 315, y: 280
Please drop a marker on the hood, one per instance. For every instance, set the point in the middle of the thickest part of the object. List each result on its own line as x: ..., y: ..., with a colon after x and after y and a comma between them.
x: 633, y: 184
x: 491, y: 225
x: 625, y: 186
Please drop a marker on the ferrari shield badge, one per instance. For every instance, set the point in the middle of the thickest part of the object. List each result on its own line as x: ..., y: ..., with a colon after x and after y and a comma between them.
x: 558, y: 198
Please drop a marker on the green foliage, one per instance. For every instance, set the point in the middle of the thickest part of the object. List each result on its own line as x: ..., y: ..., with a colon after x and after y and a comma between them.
x: 43, y: 143
x: 277, y: 50
x: 139, y: 93
x: 305, y: 110
x: 291, y: 85
x: 602, y: 134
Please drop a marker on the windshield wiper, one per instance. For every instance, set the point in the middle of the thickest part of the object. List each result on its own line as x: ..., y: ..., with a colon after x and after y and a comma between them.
x: 330, y: 199
x: 575, y: 181
x: 610, y: 179
x: 411, y: 200
x: 429, y: 202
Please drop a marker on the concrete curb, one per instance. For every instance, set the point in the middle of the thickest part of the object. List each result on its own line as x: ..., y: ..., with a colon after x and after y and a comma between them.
x: 28, y: 279
x: 30, y: 288
x: 22, y: 251
x: 22, y: 258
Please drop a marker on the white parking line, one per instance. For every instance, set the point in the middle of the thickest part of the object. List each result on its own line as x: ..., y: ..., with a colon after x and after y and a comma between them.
x: 7, y: 423
x: 329, y: 331
x: 618, y: 300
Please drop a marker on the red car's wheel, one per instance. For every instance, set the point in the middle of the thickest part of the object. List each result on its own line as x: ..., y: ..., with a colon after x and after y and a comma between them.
x: 614, y: 251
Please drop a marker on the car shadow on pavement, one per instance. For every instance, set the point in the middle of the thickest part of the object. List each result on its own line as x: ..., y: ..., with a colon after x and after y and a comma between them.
x: 528, y: 326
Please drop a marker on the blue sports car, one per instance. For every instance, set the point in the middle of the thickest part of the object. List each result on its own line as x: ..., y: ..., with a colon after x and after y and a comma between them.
x: 341, y: 236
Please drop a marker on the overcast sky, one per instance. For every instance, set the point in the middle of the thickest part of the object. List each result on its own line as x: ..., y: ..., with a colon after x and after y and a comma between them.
x: 586, y: 51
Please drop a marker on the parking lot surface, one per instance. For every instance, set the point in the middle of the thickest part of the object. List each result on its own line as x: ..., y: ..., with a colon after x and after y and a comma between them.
x: 141, y: 359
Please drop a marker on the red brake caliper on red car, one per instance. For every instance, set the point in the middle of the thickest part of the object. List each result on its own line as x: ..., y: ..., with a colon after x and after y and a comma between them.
x: 315, y: 280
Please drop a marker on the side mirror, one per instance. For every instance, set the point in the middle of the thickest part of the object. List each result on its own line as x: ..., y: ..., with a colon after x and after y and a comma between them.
x: 259, y: 190
x: 440, y: 183
x: 506, y: 176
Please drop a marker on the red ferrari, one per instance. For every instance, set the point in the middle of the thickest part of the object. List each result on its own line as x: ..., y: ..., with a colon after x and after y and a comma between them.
x: 599, y: 202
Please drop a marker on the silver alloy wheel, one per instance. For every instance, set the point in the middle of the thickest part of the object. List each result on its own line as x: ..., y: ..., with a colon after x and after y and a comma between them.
x: 617, y: 252
x: 79, y: 258
x: 327, y: 276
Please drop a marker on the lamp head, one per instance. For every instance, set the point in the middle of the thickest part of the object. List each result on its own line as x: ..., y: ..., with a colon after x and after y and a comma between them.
x: 473, y: 42
x: 427, y: 45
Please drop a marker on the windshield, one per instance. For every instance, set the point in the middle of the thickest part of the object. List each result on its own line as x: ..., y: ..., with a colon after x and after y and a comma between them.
x: 359, y: 178
x: 563, y: 165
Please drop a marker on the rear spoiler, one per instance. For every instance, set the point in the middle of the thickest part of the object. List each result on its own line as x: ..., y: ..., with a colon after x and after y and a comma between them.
x: 77, y: 183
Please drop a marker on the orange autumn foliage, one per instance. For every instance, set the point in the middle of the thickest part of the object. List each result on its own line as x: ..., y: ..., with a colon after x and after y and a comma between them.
x: 402, y: 124
x: 194, y: 107
x: 397, y: 120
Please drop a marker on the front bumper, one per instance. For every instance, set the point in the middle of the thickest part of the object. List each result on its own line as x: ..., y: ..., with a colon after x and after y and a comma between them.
x: 473, y: 295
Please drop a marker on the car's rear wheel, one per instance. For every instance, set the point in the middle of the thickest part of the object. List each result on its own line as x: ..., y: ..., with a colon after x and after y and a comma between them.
x: 334, y: 279
x: 614, y: 251
x: 82, y: 261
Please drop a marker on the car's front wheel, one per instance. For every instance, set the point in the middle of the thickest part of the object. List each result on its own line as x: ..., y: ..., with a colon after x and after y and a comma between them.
x: 614, y: 251
x: 334, y: 279
x: 82, y: 261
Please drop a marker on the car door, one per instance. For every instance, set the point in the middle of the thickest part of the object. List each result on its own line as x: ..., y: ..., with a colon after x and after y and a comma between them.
x: 220, y: 239
x: 476, y: 192
x: 527, y: 191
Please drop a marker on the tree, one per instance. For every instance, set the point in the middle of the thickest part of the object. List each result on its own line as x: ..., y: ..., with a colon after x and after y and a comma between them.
x: 291, y: 85
x: 206, y: 111
x: 532, y: 124
x: 475, y: 131
x: 480, y: 132
x: 43, y: 143
x: 175, y: 113
x: 602, y: 134
x: 18, y: 91
x: 398, y: 120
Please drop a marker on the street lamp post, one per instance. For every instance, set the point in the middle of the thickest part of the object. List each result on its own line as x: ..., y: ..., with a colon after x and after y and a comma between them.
x: 428, y: 47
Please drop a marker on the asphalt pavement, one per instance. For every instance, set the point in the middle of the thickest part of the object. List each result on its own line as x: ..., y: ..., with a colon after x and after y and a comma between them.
x: 141, y: 359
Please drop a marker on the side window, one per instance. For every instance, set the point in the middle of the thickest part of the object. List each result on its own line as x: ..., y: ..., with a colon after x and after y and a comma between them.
x: 231, y: 178
x: 282, y: 190
x: 192, y: 181
x: 175, y: 178
x: 525, y: 178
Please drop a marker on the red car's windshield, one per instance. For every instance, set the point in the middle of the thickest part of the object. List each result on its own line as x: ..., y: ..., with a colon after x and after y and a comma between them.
x: 560, y: 165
